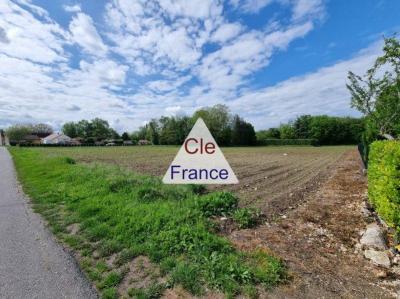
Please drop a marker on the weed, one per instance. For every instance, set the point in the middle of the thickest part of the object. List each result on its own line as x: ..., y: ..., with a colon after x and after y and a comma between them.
x: 188, y: 276
x: 110, y: 293
x: 217, y: 204
x: 111, y: 280
x: 69, y: 160
x: 246, y: 217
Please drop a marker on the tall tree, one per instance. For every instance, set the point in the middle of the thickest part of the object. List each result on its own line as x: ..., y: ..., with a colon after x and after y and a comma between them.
x: 218, y: 119
x: 70, y: 129
x: 377, y: 93
x: 42, y: 130
x: 242, y: 132
x: 302, y: 126
x: 287, y: 131
x: 17, y: 133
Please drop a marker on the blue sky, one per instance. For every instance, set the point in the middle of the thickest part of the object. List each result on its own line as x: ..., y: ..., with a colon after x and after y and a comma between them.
x: 128, y: 61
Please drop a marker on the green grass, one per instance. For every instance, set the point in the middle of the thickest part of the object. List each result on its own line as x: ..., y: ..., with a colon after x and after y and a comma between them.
x: 127, y: 214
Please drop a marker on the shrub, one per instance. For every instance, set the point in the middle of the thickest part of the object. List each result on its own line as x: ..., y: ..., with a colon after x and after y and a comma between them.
x: 217, y: 204
x: 384, y: 180
x: 69, y: 160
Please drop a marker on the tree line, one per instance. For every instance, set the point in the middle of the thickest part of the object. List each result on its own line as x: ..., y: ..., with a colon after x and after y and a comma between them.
x: 226, y: 128
x: 324, y: 129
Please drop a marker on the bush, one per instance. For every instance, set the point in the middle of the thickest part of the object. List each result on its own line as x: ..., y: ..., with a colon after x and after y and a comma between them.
x: 384, y: 180
x: 313, y: 142
x: 217, y: 204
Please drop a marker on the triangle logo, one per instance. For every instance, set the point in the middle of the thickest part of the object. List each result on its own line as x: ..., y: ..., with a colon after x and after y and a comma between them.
x: 200, y: 161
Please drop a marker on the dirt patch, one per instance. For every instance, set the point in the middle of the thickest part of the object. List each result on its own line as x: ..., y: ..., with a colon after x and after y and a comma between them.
x: 318, y: 240
x: 141, y: 274
x: 73, y: 228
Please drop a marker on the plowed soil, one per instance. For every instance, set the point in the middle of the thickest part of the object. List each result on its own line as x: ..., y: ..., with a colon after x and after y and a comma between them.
x: 318, y: 241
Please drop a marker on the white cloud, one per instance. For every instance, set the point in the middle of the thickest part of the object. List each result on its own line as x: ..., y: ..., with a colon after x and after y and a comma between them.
x: 321, y: 92
x: 28, y: 37
x: 308, y: 8
x: 195, y: 8
x: 72, y: 8
x: 253, y: 6
x: 84, y: 33
x: 226, y: 32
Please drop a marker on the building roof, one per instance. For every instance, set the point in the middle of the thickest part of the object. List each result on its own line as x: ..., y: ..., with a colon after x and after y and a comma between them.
x: 54, y: 136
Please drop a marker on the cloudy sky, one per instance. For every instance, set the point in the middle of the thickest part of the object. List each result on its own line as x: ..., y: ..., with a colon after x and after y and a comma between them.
x: 128, y: 61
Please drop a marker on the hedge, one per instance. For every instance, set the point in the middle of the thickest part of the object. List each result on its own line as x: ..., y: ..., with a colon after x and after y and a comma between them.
x: 384, y: 180
x: 288, y: 142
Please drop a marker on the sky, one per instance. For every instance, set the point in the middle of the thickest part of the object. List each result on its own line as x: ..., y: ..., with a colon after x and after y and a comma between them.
x: 128, y: 61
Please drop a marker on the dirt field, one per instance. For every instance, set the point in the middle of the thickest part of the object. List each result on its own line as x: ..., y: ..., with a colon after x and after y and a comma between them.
x: 313, y: 199
x: 273, y: 179
x: 318, y: 241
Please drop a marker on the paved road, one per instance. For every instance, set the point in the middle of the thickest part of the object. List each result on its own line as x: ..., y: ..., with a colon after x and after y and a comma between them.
x: 32, y: 264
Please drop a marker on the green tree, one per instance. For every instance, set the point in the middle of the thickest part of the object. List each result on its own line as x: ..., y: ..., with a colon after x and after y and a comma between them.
x: 377, y: 93
x: 125, y: 136
x: 242, y: 132
x: 287, y: 131
x: 17, y: 133
x: 42, y: 130
x: 218, y: 120
x: 152, y: 132
x: 100, y: 129
x: 70, y: 129
x: 302, y: 126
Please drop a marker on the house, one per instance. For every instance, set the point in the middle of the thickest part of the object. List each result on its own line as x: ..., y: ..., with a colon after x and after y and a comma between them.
x: 77, y: 141
x: 57, y: 138
x: 31, y: 139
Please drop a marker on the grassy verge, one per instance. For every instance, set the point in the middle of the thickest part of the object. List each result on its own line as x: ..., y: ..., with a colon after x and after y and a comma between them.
x: 111, y: 218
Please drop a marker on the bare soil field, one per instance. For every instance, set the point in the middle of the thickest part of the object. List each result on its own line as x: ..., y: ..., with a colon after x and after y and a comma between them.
x: 273, y: 179
x: 312, y: 197
x: 318, y: 240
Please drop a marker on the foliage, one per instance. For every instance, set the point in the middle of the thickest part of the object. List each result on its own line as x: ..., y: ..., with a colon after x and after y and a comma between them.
x: 246, y: 217
x: 225, y: 128
x: 320, y: 129
x: 90, y: 131
x: 41, y: 130
x: 217, y: 204
x: 377, y: 93
x: 171, y: 229
x: 283, y: 142
x: 125, y: 136
x: 271, y: 133
x: 384, y: 180
x: 287, y: 131
x: 218, y: 120
x: 17, y: 133
x: 302, y: 126
x: 242, y: 132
